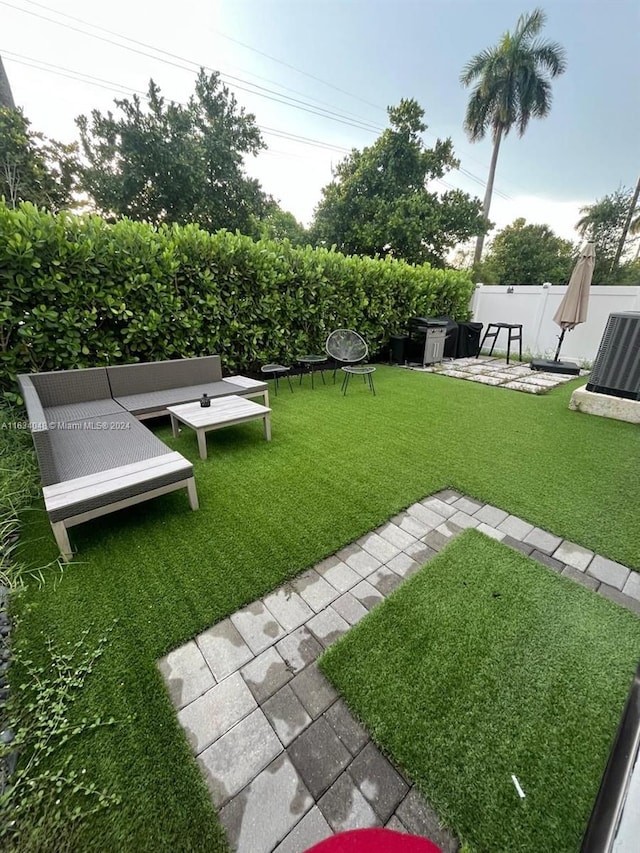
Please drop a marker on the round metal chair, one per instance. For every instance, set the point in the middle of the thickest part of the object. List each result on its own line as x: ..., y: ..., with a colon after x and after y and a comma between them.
x: 345, y: 347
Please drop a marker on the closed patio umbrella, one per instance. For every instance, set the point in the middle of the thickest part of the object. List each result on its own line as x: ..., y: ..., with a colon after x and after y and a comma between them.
x: 573, y: 309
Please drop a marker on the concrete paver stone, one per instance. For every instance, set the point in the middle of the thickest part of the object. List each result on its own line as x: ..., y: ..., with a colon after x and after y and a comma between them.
x: 367, y: 594
x: 348, y: 729
x: 288, y: 608
x: 421, y: 819
x: 313, y: 690
x: 379, y: 782
x: 263, y: 813
x: 299, y: 648
x: 440, y: 505
x: 463, y: 520
x: 493, y: 532
x: 424, y: 515
x: 410, y: 524
x: 349, y: 608
x: 573, y: 555
x: 542, y: 540
x: 211, y: 715
x: 632, y: 586
x: 466, y: 505
x: 491, y: 515
x: 403, y: 565
x: 384, y: 580
x: 257, y: 627
x: 396, y: 535
x: 378, y: 547
x: 613, y: 574
x: 581, y: 577
x: 327, y: 626
x: 362, y: 561
x: 223, y: 648
x: 319, y: 757
x: 315, y: 590
x: 345, y: 808
x: 266, y: 674
x: 286, y: 714
x: 515, y: 527
x: 339, y: 575
x: 186, y: 674
x: 238, y: 756
x: 312, y: 829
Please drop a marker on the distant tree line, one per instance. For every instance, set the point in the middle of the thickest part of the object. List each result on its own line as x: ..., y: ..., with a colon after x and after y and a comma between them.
x: 157, y: 161
x: 162, y: 162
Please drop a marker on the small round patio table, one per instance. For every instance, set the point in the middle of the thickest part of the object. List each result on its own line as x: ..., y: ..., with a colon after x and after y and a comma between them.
x: 364, y: 370
x: 277, y: 370
x: 312, y: 363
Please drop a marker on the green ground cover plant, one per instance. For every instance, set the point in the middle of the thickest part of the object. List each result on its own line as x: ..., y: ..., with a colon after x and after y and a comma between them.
x: 487, y: 664
x: 336, y: 468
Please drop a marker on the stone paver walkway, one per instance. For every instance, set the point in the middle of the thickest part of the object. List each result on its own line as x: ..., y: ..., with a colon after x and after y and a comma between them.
x: 496, y: 371
x: 286, y: 763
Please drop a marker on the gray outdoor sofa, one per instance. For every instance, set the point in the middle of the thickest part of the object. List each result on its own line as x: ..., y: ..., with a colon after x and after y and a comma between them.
x: 94, y: 455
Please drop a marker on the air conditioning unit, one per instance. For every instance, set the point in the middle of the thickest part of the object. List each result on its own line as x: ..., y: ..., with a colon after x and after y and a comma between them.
x: 616, y: 370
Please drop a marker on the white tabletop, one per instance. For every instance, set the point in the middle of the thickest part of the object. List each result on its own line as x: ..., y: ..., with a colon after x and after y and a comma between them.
x: 220, y: 411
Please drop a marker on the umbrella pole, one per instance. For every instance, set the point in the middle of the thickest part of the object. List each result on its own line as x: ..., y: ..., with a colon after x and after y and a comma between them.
x: 560, y: 339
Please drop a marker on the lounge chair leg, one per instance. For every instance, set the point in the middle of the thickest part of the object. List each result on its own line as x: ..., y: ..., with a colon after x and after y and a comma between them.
x: 62, y: 540
x: 193, y: 494
x: 267, y: 427
x: 265, y: 398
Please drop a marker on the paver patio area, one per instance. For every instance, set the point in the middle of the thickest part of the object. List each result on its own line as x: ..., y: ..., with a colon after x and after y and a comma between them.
x: 495, y: 371
x: 285, y: 762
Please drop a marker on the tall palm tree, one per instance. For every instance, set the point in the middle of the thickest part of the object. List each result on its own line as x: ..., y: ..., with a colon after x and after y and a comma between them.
x: 512, y: 85
x: 634, y: 229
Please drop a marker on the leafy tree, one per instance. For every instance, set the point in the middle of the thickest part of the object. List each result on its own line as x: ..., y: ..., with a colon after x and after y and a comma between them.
x: 32, y: 167
x: 527, y: 254
x: 603, y: 222
x: 378, y: 201
x: 512, y: 85
x: 168, y: 162
x: 279, y: 224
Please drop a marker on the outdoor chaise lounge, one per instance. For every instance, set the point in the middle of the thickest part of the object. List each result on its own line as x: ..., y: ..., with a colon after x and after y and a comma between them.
x: 94, y: 455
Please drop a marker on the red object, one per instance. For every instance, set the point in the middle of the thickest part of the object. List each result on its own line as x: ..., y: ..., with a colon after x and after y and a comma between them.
x: 374, y: 841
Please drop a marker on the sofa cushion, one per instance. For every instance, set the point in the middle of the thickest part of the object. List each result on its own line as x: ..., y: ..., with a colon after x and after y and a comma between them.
x: 128, y: 379
x: 61, y: 387
x: 57, y: 415
x: 157, y: 401
x: 95, y: 444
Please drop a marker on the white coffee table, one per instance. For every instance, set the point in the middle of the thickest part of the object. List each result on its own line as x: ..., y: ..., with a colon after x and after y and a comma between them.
x: 224, y: 412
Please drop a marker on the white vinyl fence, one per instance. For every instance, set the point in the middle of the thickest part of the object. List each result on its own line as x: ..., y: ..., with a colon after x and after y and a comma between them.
x: 534, y: 306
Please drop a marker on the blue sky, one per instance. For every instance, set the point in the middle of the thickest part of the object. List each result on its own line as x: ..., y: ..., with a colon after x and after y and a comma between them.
x: 377, y: 51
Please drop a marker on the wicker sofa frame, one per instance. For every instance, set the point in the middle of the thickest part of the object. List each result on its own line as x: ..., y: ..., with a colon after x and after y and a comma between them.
x: 94, y: 454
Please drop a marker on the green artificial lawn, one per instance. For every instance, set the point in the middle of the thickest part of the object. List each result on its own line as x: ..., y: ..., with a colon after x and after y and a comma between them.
x: 336, y: 468
x: 486, y: 664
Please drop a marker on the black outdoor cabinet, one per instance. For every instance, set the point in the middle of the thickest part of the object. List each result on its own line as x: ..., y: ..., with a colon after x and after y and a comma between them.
x: 468, y: 344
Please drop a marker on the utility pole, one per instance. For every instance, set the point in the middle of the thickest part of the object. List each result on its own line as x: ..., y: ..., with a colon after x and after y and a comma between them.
x: 6, y: 98
x: 625, y: 230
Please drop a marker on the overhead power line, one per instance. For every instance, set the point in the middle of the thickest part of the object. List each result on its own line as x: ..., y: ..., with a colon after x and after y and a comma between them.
x: 189, y: 65
x: 174, y: 56
x: 120, y: 89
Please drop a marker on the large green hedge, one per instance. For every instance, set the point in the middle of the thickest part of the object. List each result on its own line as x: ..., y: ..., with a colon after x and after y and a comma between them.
x: 79, y: 292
